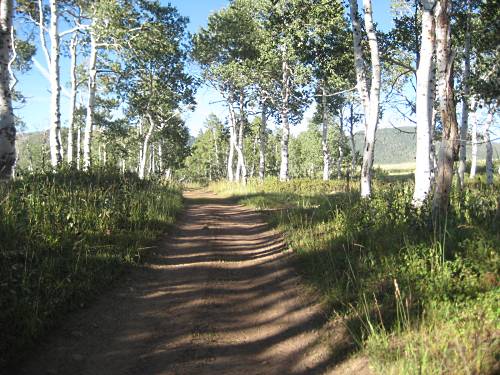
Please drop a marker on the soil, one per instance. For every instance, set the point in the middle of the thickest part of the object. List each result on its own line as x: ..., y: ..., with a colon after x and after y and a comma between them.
x: 220, y: 295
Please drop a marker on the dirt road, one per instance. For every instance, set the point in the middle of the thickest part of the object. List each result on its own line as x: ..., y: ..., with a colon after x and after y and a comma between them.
x: 219, y: 296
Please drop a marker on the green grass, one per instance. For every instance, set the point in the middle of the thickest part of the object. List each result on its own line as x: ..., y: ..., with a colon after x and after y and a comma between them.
x: 416, y: 301
x: 66, y: 235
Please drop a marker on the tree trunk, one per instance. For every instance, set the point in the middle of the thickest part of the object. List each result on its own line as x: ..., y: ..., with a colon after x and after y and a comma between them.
x: 374, y: 107
x: 370, y: 99
x: 424, y: 104
x: 359, y: 61
x: 448, y: 150
x: 89, y: 120
x: 232, y: 142
x: 55, y: 88
x: 160, y: 159
x: 72, y: 99
x: 151, y: 160
x: 489, y: 148
x: 7, y: 126
x: 340, y: 158
x: 241, y: 174
x: 473, y: 163
x: 145, y: 144
x: 262, y: 143
x: 285, y: 126
x: 351, y: 136
x: 465, y: 107
x: 216, y: 150
x: 432, y: 116
x: 324, y: 136
x: 78, y: 148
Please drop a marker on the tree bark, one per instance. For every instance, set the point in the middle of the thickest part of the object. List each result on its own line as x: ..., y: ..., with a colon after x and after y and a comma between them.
x: 370, y: 99
x: 262, y: 142
x: 89, y: 120
x: 424, y: 104
x: 78, y: 148
x: 324, y: 136
x: 351, y: 137
x: 160, y: 159
x: 7, y: 126
x: 448, y: 150
x: 56, y: 154
x: 232, y: 142
x: 340, y: 158
x: 241, y: 171
x: 465, y: 97
x: 285, y: 126
x: 473, y: 163
x: 72, y: 99
x: 145, y: 145
x: 489, y: 147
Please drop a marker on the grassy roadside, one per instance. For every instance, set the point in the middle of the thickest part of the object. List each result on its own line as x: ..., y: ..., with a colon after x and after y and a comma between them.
x: 416, y: 301
x: 64, y: 236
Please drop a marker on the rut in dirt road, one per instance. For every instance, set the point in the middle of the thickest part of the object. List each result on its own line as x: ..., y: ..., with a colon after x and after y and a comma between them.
x: 220, y: 296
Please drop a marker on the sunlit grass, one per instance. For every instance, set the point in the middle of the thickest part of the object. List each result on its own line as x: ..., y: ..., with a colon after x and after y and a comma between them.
x: 412, y: 296
x: 67, y: 235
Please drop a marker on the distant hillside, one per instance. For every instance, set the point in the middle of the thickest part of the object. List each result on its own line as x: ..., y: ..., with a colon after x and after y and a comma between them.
x: 397, y: 146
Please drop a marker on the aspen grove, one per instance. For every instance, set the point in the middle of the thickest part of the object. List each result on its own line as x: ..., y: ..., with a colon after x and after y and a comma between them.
x: 366, y: 131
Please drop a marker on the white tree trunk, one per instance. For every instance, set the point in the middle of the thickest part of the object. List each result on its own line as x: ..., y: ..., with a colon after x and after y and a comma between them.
x: 432, y: 116
x: 473, y: 164
x: 489, y: 148
x: 144, y: 152
x: 370, y: 99
x: 340, y: 158
x: 78, y: 148
x: 72, y: 99
x: 262, y: 143
x: 160, y: 158
x: 241, y: 170
x: 324, y: 136
x: 232, y: 142
x: 424, y: 104
x: 351, y: 137
x: 285, y: 126
x: 89, y: 120
x: 465, y: 107
x: 374, y: 104
x: 56, y: 153
x: 7, y: 126
x: 359, y: 62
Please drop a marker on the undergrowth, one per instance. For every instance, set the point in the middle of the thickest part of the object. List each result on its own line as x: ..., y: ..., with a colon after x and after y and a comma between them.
x: 416, y: 300
x: 64, y: 236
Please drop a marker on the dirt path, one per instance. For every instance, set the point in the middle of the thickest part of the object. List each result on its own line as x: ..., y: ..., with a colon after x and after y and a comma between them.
x: 220, y: 296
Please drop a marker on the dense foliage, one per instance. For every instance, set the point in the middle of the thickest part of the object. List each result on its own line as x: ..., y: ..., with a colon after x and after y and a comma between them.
x: 64, y: 236
x: 410, y: 296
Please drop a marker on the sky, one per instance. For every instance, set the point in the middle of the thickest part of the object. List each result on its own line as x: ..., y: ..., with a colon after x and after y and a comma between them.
x: 34, y: 84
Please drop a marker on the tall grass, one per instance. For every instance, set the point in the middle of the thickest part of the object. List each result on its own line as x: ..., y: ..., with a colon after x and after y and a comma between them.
x: 417, y: 301
x: 64, y: 236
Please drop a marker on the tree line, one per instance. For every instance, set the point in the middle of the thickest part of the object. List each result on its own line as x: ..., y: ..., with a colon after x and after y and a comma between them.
x: 269, y: 60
